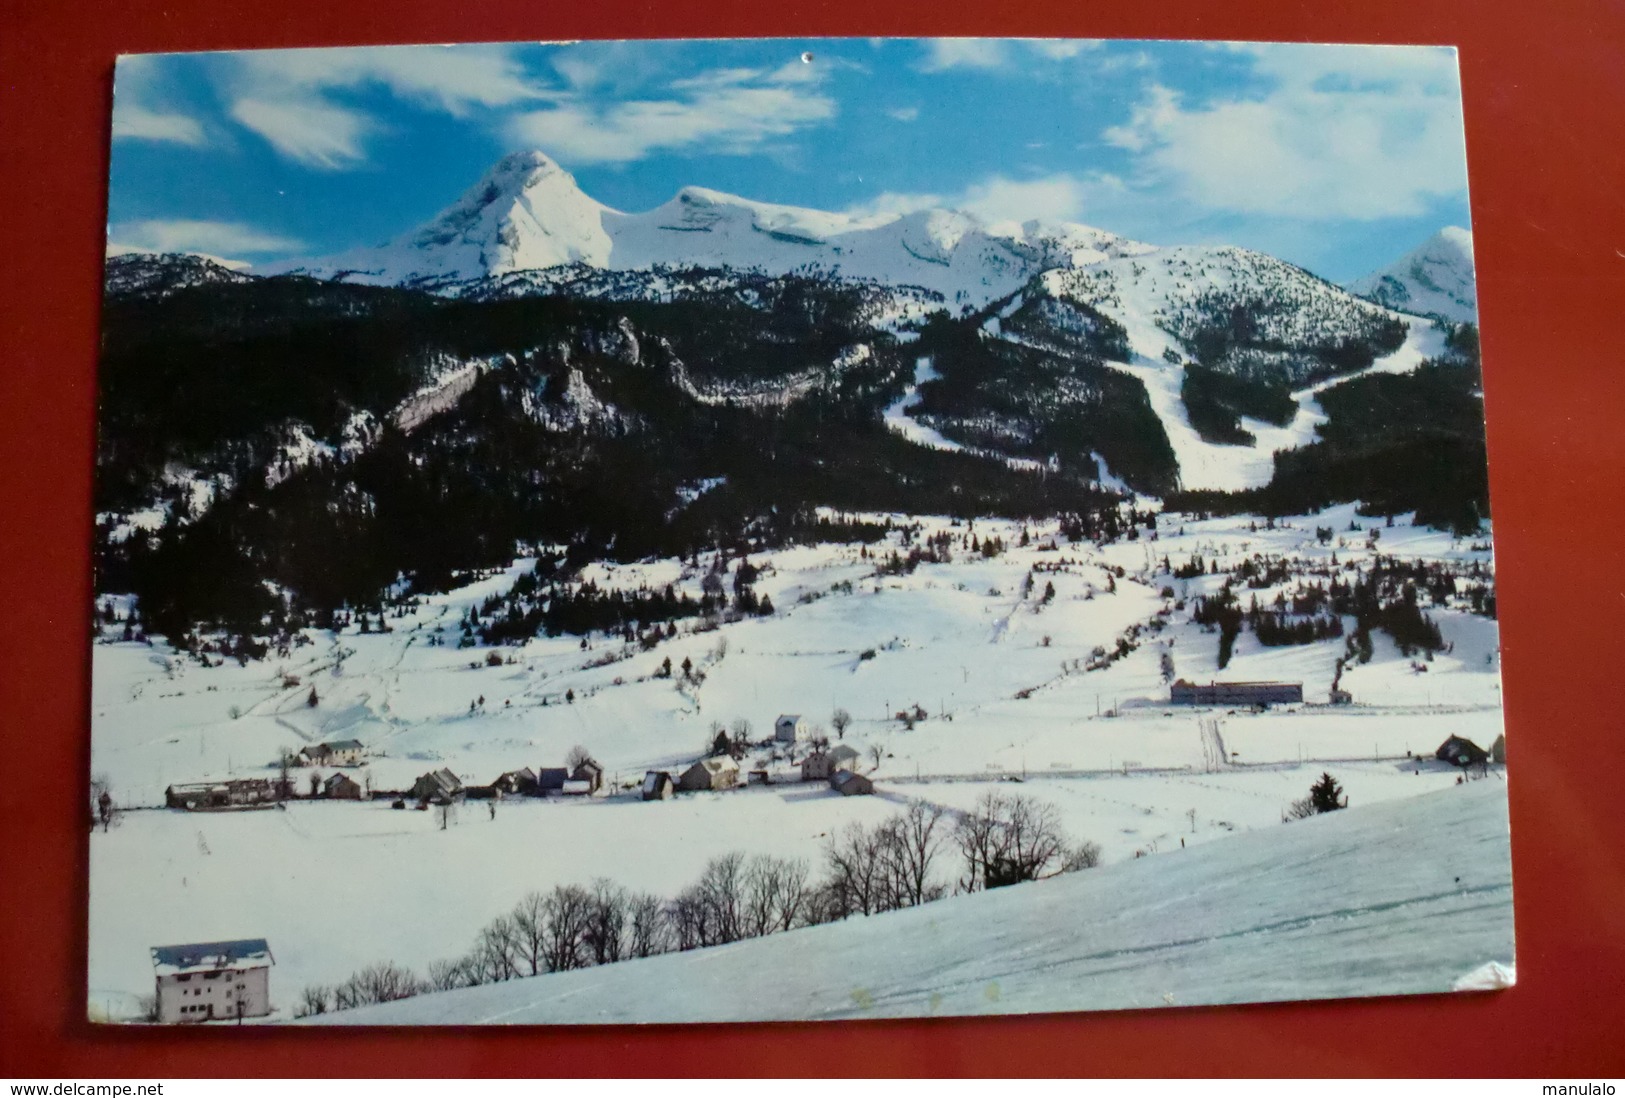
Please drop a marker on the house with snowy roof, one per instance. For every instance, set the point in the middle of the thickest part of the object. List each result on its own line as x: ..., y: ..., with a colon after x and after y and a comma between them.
x: 658, y: 785
x: 342, y: 787
x: 590, y: 772
x: 345, y: 753
x: 438, y: 787
x: 843, y: 756
x: 848, y: 784
x: 516, y: 782
x: 213, y: 981
x: 716, y: 772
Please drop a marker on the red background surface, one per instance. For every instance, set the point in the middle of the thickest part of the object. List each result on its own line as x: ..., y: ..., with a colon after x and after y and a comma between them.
x: 1544, y: 85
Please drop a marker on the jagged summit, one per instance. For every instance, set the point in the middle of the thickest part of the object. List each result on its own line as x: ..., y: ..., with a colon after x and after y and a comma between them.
x: 528, y: 213
x: 1435, y: 279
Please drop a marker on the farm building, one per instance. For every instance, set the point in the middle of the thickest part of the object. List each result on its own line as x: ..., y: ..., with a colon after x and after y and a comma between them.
x: 576, y: 787
x: 235, y: 793
x: 658, y: 785
x: 438, y: 787
x: 516, y: 783
x: 716, y: 772
x: 342, y: 787
x: 345, y: 753
x: 817, y: 767
x: 1461, y: 752
x: 844, y: 757
x: 1235, y: 693
x: 551, y: 779
x: 210, y: 981
x: 848, y: 784
x: 591, y: 773
x: 789, y: 728
x: 337, y: 753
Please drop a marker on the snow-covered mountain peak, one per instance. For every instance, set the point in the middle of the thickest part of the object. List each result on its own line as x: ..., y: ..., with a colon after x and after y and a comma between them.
x: 1434, y: 279
x: 527, y: 213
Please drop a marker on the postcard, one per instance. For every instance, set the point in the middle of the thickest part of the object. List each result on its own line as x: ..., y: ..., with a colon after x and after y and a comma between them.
x: 693, y: 531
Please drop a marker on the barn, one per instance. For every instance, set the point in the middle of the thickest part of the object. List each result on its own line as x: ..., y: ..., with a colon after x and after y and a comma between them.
x: 1235, y: 693
x: 1459, y: 751
x: 342, y: 787
x: 848, y: 784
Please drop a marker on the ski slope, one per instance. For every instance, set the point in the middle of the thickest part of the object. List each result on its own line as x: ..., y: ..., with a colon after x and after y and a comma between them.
x: 1400, y: 898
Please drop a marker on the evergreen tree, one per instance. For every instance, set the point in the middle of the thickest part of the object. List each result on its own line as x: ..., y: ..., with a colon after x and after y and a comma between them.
x: 1326, y: 795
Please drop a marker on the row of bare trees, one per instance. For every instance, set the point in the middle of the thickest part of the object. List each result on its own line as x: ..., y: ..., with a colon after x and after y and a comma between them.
x: 901, y: 862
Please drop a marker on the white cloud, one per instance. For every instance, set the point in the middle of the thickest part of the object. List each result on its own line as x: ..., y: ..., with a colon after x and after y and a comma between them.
x: 1057, y: 197
x: 1346, y: 132
x: 890, y: 205
x: 133, y: 121
x: 1061, y: 49
x: 997, y: 53
x: 135, y: 116
x: 448, y: 78
x: 210, y: 238
x: 968, y: 53
x: 285, y: 96
x: 725, y: 110
x: 904, y: 114
x: 307, y: 130
x: 1060, y: 196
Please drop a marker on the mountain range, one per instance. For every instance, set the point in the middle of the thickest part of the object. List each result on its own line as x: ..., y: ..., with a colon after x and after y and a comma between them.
x: 527, y: 213
x: 532, y: 367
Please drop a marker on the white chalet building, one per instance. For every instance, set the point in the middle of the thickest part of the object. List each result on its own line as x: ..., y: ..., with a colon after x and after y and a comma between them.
x: 213, y: 981
x: 789, y: 728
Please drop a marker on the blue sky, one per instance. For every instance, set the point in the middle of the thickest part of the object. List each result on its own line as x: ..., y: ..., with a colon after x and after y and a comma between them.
x: 1338, y: 158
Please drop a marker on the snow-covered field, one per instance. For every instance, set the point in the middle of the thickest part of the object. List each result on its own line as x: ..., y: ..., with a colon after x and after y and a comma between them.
x: 1408, y: 897
x: 999, y: 673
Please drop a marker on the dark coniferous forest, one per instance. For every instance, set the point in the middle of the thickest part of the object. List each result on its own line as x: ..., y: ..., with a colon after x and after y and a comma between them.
x: 322, y: 449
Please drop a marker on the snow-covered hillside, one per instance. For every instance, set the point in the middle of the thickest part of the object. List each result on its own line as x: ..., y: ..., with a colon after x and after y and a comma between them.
x: 1405, y: 897
x: 1065, y: 692
x: 527, y: 213
x: 1434, y: 280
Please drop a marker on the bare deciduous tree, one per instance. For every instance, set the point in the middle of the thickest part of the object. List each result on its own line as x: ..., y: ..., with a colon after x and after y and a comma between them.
x: 1009, y: 839
x: 498, y: 948
x: 449, y: 975
x: 578, y: 755
x: 855, y: 880
x: 314, y: 999
x: 908, y: 846
x: 604, y: 935
x: 775, y: 895
x: 567, y: 909
x: 840, y: 720
x: 530, y: 927
x: 647, y: 929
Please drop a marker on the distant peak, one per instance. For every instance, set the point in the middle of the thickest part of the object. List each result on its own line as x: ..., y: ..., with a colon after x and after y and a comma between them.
x: 524, y: 161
